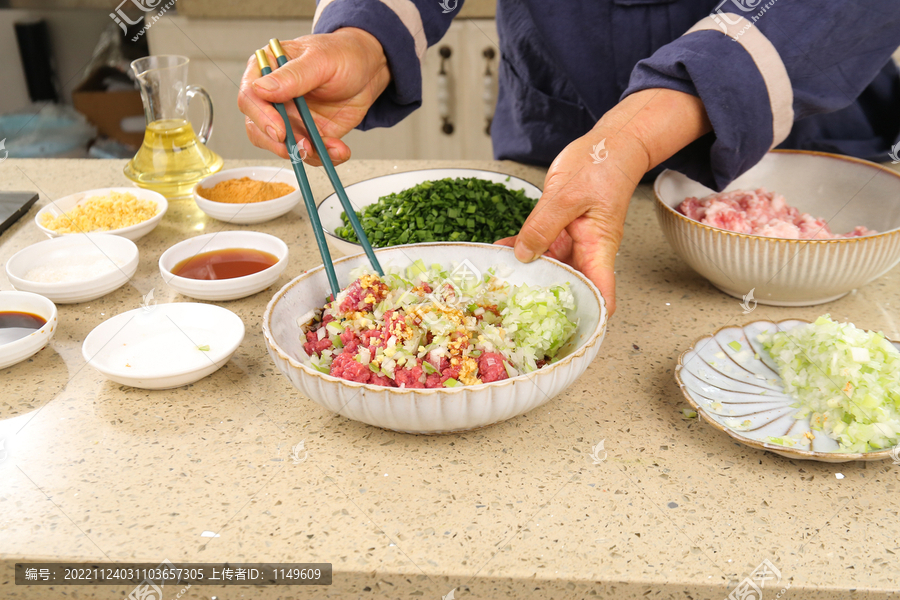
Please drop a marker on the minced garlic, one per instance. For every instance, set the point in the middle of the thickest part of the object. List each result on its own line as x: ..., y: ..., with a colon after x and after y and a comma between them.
x: 102, y: 213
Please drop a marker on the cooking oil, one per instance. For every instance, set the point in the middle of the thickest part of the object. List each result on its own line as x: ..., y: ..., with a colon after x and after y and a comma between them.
x: 172, y: 159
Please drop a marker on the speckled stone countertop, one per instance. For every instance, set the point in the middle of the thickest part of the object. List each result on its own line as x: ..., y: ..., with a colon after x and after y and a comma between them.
x: 95, y: 471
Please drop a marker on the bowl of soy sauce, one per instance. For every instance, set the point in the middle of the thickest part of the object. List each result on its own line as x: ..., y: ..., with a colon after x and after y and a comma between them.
x: 27, y: 324
x: 224, y: 265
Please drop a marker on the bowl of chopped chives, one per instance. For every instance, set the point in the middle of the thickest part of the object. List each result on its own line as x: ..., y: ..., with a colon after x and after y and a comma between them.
x: 129, y: 212
x: 430, y: 205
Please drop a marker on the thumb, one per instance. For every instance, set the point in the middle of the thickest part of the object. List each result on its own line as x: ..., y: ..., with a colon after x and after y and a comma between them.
x: 296, y: 78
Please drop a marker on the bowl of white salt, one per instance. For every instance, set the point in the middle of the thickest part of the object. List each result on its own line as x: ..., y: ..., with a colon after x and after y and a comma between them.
x: 74, y: 268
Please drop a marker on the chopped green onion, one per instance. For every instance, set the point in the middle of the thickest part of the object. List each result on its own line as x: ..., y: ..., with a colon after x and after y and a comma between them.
x: 736, y: 346
x: 203, y: 348
x: 462, y: 209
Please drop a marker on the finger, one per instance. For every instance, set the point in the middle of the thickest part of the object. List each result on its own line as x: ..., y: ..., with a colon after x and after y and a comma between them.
x: 594, y: 254
x: 561, y: 248
x: 261, y: 140
x: 260, y: 112
x: 338, y: 151
x: 309, y: 70
x: 558, y: 206
x: 509, y: 242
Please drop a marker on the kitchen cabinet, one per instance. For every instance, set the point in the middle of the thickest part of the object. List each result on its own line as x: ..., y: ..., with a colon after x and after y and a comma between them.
x: 219, y: 49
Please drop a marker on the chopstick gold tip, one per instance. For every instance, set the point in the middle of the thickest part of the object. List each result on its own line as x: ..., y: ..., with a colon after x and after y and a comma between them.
x: 262, y: 60
x: 276, y: 48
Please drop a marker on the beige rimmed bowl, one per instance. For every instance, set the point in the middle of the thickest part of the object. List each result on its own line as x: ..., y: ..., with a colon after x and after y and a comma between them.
x: 844, y: 191
x: 438, y: 410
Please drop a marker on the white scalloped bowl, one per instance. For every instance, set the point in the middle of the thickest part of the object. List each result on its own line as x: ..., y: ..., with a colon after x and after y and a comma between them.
x: 439, y: 410
x: 743, y: 396
x: 844, y: 191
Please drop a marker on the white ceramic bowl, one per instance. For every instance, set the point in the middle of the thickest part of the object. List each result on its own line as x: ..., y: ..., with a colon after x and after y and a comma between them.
x: 437, y: 410
x: 133, y: 232
x: 119, y: 254
x: 368, y: 192
x: 31, y: 344
x: 224, y: 289
x: 743, y: 396
x: 844, y: 191
x: 165, y: 345
x: 253, y: 212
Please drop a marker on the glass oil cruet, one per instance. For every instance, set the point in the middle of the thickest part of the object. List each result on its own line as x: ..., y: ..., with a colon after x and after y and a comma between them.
x: 172, y: 158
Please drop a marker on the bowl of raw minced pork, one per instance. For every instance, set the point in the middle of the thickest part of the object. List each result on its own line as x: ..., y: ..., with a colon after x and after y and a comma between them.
x: 248, y: 195
x: 799, y: 228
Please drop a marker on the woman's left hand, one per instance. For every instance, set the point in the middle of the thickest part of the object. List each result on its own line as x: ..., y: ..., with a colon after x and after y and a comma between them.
x: 580, y: 217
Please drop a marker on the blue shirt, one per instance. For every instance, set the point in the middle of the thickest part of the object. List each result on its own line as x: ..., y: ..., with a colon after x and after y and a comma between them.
x: 807, y: 74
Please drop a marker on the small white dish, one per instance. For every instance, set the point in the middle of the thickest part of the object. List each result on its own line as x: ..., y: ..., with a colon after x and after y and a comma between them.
x: 367, y: 192
x: 744, y: 396
x: 132, y: 232
x: 93, y: 264
x: 224, y: 289
x: 253, y: 212
x: 165, y: 345
x: 33, y: 343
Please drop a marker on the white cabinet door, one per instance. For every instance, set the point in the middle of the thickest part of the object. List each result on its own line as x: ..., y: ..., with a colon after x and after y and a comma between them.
x: 479, y: 35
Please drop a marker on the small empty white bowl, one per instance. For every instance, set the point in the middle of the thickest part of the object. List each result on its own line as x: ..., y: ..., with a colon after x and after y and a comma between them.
x: 132, y: 232
x: 33, y: 343
x: 252, y: 212
x: 164, y: 346
x: 223, y: 289
x: 74, y: 268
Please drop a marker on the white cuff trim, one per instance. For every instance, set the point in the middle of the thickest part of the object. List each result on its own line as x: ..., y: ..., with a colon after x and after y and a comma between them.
x: 769, y: 63
x: 405, y: 10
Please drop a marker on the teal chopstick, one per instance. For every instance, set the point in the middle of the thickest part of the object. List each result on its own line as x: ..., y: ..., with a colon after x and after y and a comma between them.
x: 319, y: 145
x: 305, y: 190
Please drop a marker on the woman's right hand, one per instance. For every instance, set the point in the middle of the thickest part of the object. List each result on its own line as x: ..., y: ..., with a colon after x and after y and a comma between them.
x: 341, y: 74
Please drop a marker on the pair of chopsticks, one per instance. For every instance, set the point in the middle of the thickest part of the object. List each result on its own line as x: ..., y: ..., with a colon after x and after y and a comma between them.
x: 300, y: 172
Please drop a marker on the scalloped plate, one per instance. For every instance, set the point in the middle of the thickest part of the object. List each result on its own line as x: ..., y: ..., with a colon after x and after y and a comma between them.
x: 743, y: 395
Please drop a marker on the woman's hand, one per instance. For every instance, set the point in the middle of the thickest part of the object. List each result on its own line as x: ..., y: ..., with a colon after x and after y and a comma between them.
x: 341, y: 74
x: 580, y: 217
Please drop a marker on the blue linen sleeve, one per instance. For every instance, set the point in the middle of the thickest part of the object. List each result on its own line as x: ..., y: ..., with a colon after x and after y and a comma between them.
x: 760, y: 66
x: 405, y: 29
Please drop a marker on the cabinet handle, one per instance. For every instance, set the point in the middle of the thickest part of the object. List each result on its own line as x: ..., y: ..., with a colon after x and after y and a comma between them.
x: 490, y: 103
x: 443, y: 92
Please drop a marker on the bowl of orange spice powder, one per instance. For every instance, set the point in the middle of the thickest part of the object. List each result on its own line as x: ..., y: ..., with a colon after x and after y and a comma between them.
x: 248, y: 195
